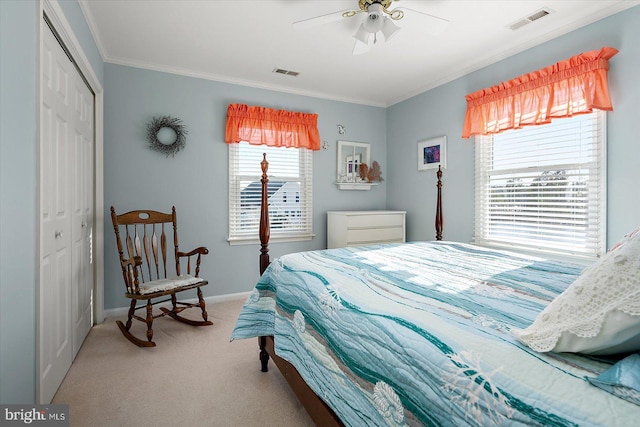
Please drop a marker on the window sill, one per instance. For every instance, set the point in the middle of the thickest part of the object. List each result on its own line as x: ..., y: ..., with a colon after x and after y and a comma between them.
x: 273, y: 239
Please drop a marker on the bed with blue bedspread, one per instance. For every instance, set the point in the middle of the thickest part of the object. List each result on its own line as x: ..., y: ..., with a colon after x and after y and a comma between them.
x: 421, y: 334
x: 450, y: 334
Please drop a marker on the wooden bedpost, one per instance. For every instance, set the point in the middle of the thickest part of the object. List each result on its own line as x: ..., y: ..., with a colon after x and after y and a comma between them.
x: 265, y: 234
x: 439, y: 221
x: 265, y: 231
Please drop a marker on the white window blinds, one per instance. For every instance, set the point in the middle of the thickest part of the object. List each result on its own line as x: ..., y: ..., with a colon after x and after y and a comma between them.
x: 289, y: 191
x: 543, y: 187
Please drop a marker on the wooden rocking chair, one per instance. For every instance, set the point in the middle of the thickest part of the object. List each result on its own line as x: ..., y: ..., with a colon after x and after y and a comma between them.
x: 144, y: 269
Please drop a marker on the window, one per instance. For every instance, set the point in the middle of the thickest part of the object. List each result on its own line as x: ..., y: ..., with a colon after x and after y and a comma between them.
x: 290, y: 172
x: 543, y: 187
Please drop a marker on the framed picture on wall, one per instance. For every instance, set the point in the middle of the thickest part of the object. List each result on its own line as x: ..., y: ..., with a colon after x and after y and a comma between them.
x: 432, y: 153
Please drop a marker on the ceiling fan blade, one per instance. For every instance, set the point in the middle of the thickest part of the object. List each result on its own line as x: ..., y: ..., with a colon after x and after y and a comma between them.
x: 428, y: 23
x: 319, y: 20
x: 359, y: 48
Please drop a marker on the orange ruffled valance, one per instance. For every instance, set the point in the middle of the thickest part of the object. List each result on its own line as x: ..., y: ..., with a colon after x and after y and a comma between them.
x: 276, y: 128
x: 573, y: 86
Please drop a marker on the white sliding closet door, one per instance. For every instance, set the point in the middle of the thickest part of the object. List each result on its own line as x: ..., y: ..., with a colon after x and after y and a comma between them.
x: 66, y: 214
x: 82, y: 185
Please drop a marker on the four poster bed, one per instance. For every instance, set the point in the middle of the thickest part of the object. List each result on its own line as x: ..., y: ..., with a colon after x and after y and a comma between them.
x: 439, y: 333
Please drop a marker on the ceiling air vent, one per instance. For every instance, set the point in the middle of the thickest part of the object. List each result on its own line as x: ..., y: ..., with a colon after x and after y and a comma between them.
x: 285, y: 72
x: 529, y: 19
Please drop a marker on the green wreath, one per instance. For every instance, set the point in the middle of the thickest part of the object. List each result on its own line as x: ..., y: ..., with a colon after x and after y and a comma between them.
x: 173, y: 123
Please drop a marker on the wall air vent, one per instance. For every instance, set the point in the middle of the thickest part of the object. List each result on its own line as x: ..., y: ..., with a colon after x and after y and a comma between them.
x: 285, y: 72
x: 529, y: 19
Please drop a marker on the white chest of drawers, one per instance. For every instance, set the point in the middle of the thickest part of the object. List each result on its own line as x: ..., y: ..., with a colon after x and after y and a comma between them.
x: 357, y: 228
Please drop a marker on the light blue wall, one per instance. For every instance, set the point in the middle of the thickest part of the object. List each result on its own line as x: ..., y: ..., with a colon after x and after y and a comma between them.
x: 196, y: 179
x: 19, y: 21
x: 17, y: 200
x: 441, y: 112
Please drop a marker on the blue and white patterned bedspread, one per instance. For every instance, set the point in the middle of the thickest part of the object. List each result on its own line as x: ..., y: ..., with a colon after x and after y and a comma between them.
x: 419, y: 334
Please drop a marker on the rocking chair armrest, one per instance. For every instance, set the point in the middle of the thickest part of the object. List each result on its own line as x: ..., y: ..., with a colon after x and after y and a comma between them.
x: 134, y: 261
x: 197, y: 251
x: 200, y: 251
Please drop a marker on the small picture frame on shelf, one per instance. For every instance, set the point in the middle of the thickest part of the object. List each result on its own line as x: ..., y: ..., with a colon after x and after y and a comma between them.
x: 432, y: 153
x: 352, y: 163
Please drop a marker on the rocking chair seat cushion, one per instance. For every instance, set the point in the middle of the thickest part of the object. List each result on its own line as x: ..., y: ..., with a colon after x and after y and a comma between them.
x: 162, y: 285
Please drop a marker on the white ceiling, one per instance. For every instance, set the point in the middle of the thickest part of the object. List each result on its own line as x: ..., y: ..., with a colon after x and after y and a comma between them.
x: 241, y: 41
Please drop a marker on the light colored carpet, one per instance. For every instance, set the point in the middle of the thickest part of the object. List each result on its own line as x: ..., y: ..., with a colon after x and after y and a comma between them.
x: 193, y: 377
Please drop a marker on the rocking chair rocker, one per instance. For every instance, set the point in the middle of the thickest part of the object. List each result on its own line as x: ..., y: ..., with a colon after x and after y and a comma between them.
x: 144, y: 270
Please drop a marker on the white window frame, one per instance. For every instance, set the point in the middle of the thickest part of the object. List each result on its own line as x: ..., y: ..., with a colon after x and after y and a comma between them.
x: 245, y: 231
x: 490, y: 231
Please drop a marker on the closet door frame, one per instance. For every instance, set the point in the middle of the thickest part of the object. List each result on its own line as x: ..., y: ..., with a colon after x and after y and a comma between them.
x: 54, y: 14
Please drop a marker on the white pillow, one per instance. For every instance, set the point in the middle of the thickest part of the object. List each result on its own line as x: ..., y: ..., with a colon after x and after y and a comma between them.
x: 599, y: 313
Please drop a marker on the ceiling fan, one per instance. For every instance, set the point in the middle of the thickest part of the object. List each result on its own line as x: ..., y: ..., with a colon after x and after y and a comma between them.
x: 377, y: 22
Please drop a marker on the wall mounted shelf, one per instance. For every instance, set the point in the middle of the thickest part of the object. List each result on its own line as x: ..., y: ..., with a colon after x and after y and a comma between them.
x: 355, y: 185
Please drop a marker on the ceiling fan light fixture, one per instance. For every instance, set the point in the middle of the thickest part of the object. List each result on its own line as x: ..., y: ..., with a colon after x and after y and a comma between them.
x: 362, y: 35
x: 389, y: 29
x: 375, y: 18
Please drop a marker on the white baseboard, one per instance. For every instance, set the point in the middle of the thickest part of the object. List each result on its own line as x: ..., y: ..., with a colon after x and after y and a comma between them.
x: 122, y: 311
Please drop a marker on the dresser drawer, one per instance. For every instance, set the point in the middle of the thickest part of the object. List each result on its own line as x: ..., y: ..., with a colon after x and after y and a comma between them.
x: 366, y: 236
x: 375, y: 220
